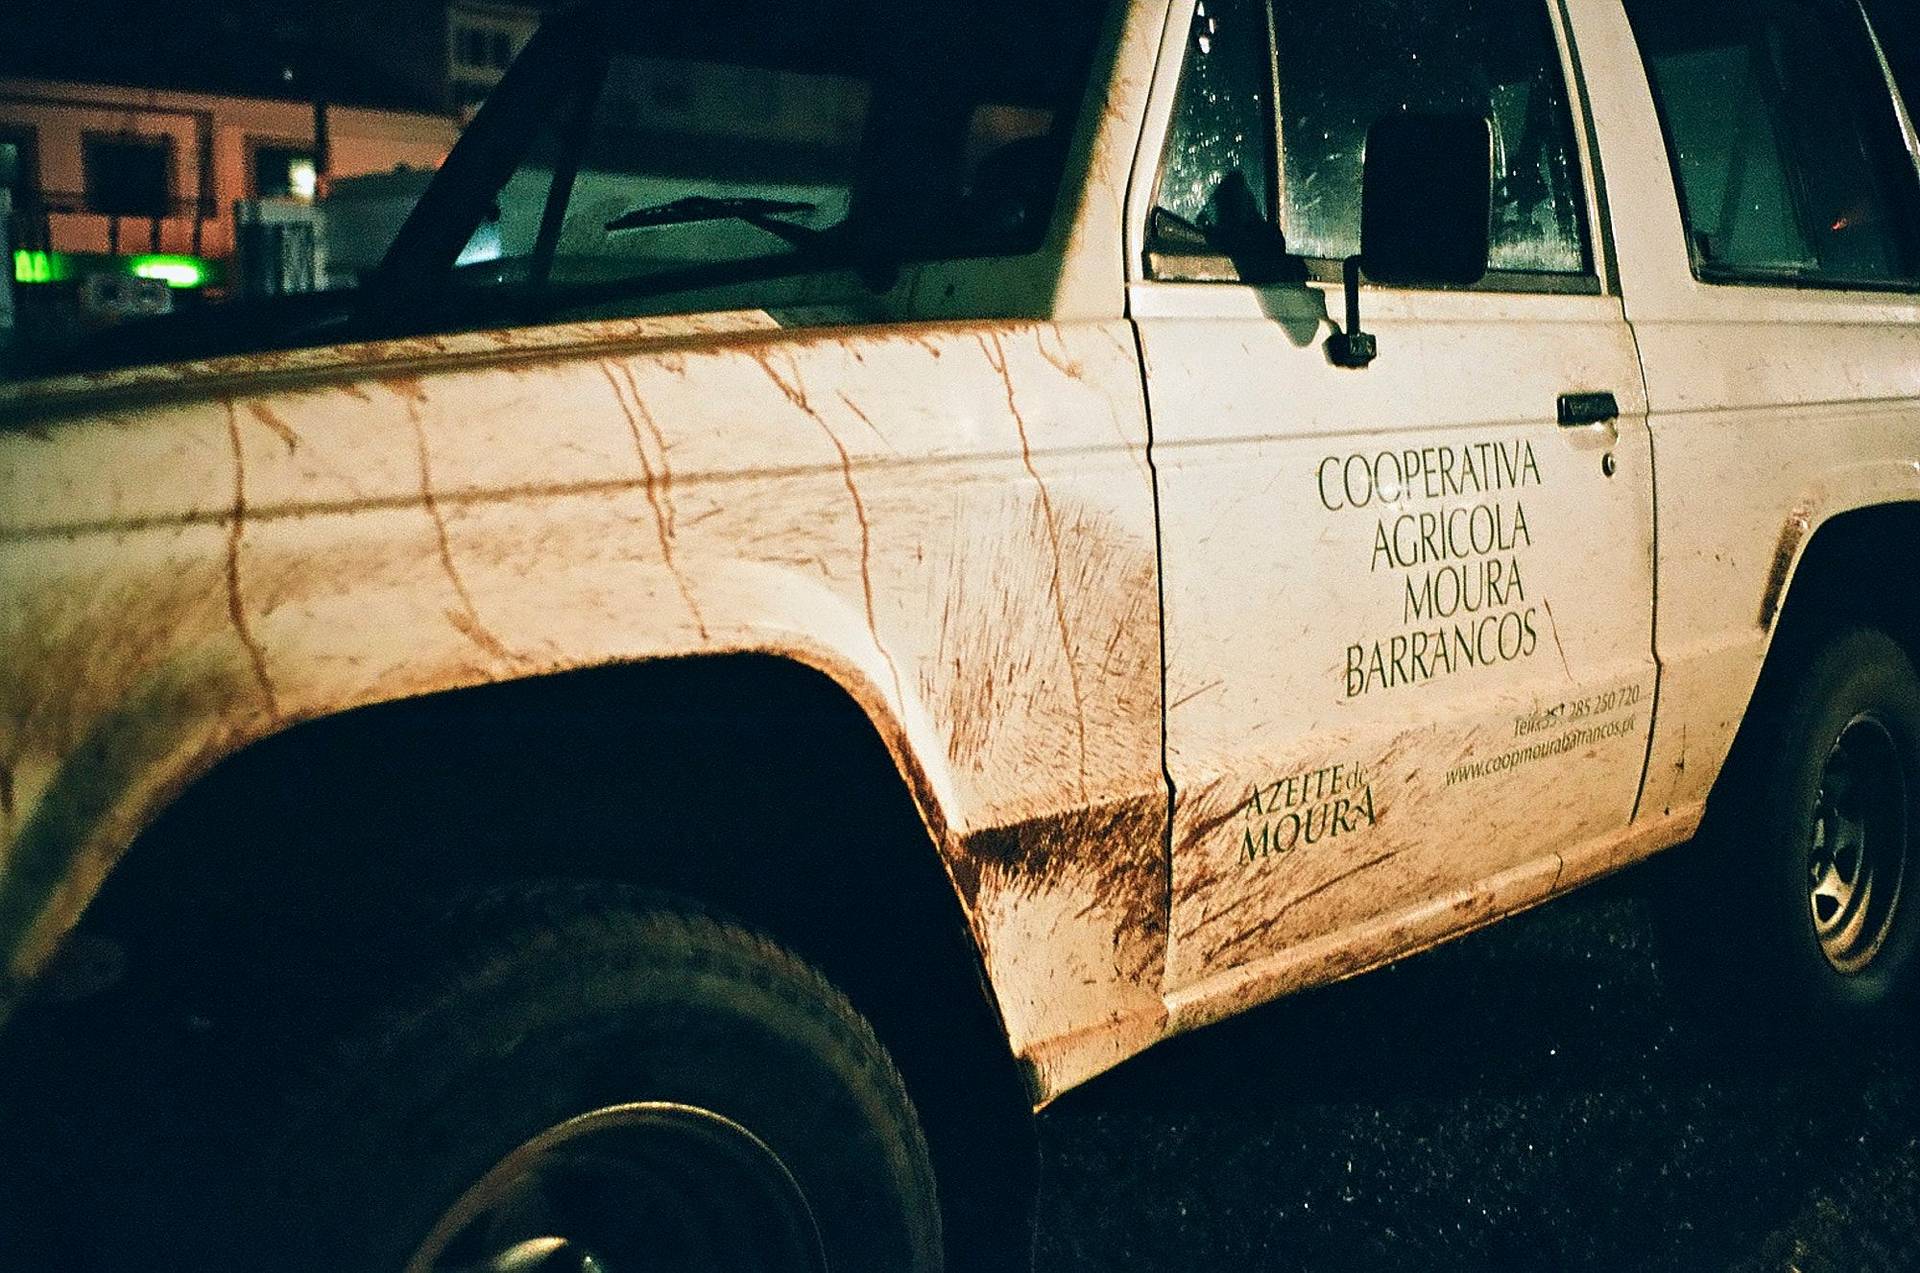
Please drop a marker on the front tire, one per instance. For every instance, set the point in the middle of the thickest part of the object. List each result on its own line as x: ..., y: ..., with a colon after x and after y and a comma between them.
x: 1801, y: 900
x: 590, y: 1074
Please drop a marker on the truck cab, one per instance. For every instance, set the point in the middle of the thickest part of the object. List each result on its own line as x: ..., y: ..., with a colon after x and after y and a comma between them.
x: 856, y: 567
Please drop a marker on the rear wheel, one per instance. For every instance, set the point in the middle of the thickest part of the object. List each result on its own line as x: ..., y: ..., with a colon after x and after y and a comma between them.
x: 1802, y: 897
x: 593, y: 1079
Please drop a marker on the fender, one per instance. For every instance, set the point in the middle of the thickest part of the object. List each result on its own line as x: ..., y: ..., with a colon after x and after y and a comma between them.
x: 1710, y: 674
x: 953, y: 522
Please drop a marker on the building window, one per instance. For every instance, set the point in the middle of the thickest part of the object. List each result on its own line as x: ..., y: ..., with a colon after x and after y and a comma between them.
x: 284, y: 172
x: 129, y: 175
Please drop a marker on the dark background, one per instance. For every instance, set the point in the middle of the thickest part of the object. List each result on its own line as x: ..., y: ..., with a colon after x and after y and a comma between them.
x: 1529, y: 1098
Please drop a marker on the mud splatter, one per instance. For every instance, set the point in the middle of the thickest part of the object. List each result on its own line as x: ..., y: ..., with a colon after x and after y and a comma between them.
x: 657, y: 489
x: 1117, y: 844
x: 1784, y: 553
x: 996, y: 355
x: 1252, y: 935
x: 466, y: 620
x: 866, y: 557
x: 236, y: 535
x: 867, y: 420
x: 1060, y: 360
x: 281, y: 429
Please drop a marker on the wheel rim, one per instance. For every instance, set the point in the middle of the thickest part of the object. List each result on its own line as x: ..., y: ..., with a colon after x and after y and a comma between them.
x: 654, y: 1187
x: 1857, y: 851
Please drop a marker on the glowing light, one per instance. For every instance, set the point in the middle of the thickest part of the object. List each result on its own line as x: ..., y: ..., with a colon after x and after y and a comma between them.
x: 38, y: 267
x: 174, y: 271
x: 303, y: 180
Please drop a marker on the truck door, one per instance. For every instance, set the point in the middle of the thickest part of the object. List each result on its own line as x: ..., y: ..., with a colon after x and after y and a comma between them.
x: 1408, y: 610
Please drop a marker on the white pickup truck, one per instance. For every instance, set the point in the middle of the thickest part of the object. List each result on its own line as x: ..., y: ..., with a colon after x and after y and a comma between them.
x: 859, y: 564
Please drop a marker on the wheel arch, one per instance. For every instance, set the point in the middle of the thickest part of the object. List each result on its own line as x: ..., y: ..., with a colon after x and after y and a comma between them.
x: 1832, y: 567
x: 823, y: 823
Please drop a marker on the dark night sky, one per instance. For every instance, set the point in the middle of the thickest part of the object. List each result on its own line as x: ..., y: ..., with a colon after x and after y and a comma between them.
x: 375, y: 52
x: 372, y: 52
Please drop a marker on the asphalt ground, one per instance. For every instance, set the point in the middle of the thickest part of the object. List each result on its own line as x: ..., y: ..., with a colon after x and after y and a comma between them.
x: 1528, y: 1098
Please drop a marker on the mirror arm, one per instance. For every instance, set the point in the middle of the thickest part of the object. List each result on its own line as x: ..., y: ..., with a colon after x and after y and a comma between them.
x: 1352, y: 348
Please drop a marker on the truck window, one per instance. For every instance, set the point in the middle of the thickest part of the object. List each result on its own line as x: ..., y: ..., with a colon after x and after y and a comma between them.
x: 1332, y: 71
x: 1218, y: 171
x: 711, y: 153
x: 1784, y: 140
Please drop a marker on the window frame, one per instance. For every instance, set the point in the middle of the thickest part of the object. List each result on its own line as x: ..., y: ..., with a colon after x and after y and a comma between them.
x: 1163, y: 266
x: 255, y: 144
x: 1705, y: 272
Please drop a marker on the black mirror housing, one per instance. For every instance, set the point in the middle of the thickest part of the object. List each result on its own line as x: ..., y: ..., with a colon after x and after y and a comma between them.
x: 1426, y: 209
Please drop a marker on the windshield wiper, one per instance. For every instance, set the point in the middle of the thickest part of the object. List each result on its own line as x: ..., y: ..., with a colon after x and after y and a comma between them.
x: 694, y: 209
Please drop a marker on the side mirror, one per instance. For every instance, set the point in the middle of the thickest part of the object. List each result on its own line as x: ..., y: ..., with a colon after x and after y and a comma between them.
x: 1426, y: 213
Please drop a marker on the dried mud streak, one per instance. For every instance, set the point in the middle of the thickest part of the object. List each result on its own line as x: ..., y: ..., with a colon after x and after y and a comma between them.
x: 1061, y: 362
x: 1064, y: 364
x: 996, y: 355
x: 1253, y: 934
x: 866, y: 558
x: 466, y: 621
x: 659, y: 442
x: 281, y: 429
x: 1554, y: 628
x: 867, y: 420
x: 236, y: 534
x: 795, y: 392
x: 663, y: 517
x: 1799, y: 522
x: 1118, y: 843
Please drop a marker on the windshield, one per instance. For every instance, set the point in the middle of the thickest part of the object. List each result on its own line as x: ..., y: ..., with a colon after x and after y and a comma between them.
x: 649, y: 158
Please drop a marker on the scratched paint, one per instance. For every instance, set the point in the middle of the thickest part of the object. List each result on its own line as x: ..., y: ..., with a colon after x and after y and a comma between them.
x: 324, y: 546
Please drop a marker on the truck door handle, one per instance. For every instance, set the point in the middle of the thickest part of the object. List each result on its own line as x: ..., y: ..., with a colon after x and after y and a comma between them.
x: 1580, y: 409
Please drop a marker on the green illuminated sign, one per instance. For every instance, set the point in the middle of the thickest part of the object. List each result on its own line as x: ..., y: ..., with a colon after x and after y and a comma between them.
x: 174, y: 271
x: 38, y: 267
x: 59, y: 267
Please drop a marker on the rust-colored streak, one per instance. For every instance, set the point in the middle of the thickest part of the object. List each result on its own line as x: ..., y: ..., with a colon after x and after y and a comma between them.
x: 1117, y: 844
x: 996, y: 355
x: 645, y: 416
x: 794, y: 390
x: 281, y: 429
x: 1253, y: 934
x: 663, y: 519
x: 867, y: 420
x: 1201, y: 829
x: 465, y: 620
x: 1062, y: 360
x: 236, y: 534
x: 1554, y: 628
x: 1784, y: 553
x: 866, y: 555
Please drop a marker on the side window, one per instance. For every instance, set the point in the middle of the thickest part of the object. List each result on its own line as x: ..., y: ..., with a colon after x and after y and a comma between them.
x: 1785, y: 142
x: 1218, y: 172
x: 1343, y: 66
x: 1329, y: 73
